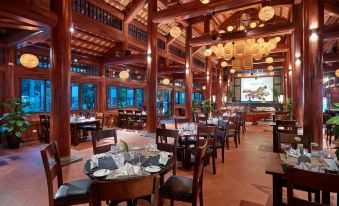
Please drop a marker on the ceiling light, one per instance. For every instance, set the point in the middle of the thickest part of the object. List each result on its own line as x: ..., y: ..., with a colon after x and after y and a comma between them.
x: 297, y: 61
x: 175, y: 31
x: 270, y: 68
x: 230, y: 28
x: 232, y: 71
x: 253, y: 24
x: 277, y: 38
x: 337, y: 73
x: 124, y: 75
x: 205, y: 1
x: 314, y: 36
x: 203, y: 87
x: 224, y: 64
x: 261, y: 25
x: 29, y: 60
x: 271, y: 73
x: 266, y: 13
x: 239, y: 75
x: 269, y: 60
x: 241, y: 27
x: 165, y: 81
x: 208, y: 52
x: 221, y: 31
x: 71, y: 29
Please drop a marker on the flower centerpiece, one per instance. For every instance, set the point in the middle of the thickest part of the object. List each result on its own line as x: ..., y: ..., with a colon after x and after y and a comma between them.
x: 300, y: 146
x: 206, y: 107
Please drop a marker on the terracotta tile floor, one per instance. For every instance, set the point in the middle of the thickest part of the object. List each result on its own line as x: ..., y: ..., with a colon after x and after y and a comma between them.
x: 241, y: 180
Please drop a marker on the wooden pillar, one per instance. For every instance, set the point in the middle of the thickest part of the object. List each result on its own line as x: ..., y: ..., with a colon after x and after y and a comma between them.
x: 219, y: 95
x: 313, y: 11
x: 208, y: 78
x: 188, y: 74
x: 297, y: 65
x: 60, y: 57
x: 9, y: 85
x: 102, y: 103
x: 152, y: 68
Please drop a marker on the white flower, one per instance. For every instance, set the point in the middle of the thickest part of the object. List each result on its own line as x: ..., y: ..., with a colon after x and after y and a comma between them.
x: 297, y: 139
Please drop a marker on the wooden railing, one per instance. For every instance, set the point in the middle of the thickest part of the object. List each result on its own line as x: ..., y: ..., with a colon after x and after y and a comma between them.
x: 137, y: 33
x: 94, y: 12
x: 85, y: 69
x: 161, y: 44
x: 114, y: 73
x: 198, y: 62
x: 174, y: 50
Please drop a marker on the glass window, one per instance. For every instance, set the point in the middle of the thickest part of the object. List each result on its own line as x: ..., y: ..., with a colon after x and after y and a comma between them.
x: 139, y: 97
x: 88, y: 96
x: 34, y: 92
x: 112, y: 97
x: 182, y: 101
x: 122, y: 97
x: 177, y: 97
x: 197, y: 97
x: 48, y: 96
x: 74, y: 96
x: 130, y: 97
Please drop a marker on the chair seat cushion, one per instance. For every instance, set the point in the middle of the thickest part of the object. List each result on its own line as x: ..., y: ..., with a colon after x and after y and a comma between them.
x: 75, y: 190
x: 177, y: 188
x: 88, y: 127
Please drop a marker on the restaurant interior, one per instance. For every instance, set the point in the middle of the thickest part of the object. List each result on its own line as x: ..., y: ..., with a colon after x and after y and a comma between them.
x: 169, y: 102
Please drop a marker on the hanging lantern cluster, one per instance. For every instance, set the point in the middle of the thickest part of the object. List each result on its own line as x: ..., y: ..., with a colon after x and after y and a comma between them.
x: 29, y: 60
x: 124, y: 75
x: 266, y: 13
x: 166, y: 81
x: 175, y: 31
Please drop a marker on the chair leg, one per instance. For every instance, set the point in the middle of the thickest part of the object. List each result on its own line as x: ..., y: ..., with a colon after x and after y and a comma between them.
x: 227, y: 143
x: 236, y: 141
x: 213, y: 163
x: 201, y: 198
x: 172, y: 202
x: 223, y: 153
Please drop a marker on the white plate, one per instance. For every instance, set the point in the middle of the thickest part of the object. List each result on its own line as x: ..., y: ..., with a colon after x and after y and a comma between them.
x: 152, y: 169
x: 101, y: 173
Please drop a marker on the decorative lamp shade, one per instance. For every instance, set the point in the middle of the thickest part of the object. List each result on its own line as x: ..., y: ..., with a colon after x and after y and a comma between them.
x: 337, y: 73
x: 261, y: 25
x: 271, y: 73
x: 260, y: 40
x: 266, y: 13
x: 270, y: 68
x: 241, y: 27
x: 221, y: 31
x: 232, y: 71
x: 124, y: 75
x: 175, y: 32
x: 277, y: 38
x: 239, y: 75
x: 236, y: 64
x: 219, y: 51
x: 29, y: 60
x: 203, y: 87
x: 205, y: 1
x: 230, y: 28
x: 269, y: 60
x: 208, y: 52
x: 214, y: 48
x: 223, y: 64
x: 257, y: 56
x: 239, y: 47
x: 253, y: 24
x: 247, y: 61
x: 165, y: 81
x: 228, y: 51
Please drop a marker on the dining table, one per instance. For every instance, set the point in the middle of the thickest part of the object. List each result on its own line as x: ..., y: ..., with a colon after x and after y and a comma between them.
x: 275, y: 165
x: 75, y: 124
x: 275, y: 136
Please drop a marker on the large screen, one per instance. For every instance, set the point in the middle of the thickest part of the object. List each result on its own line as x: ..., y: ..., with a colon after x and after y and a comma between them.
x: 257, y: 89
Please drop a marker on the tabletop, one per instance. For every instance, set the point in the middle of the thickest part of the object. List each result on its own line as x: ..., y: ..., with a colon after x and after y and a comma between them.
x: 273, y: 124
x: 273, y: 164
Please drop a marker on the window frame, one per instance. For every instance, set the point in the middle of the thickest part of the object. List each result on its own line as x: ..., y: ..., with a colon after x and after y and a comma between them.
x: 118, y: 96
x: 80, y: 108
x: 45, y: 80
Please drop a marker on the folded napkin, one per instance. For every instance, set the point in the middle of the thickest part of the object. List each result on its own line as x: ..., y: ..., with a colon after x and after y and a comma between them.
x: 163, y: 157
x: 309, y: 167
x: 151, y: 147
x: 127, y: 170
x: 331, y: 164
x: 95, y: 160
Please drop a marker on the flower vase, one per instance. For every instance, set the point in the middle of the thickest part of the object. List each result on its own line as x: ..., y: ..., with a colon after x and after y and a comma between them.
x: 127, y: 156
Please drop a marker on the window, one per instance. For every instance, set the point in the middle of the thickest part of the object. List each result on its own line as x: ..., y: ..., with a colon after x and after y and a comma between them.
x: 37, y: 94
x: 126, y: 97
x: 130, y: 97
x: 82, y: 96
x: 179, y: 97
x: 139, y: 97
x: 197, y: 97
x: 74, y: 96
x: 112, y: 97
x: 182, y: 101
x: 88, y: 96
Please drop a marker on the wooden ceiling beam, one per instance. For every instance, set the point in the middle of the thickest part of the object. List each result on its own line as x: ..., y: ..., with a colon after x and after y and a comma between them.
x: 108, y: 8
x: 86, y: 50
x: 129, y: 59
x: 276, y: 30
x: 85, y: 33
x: 22, y: 36
x: 133, y: 8
x: 28, y: 13
x: 331, y: 33
x: 331, y: 58
x: 19, y: 26
x: 196, y: 8
x: 262, y: 65
x: 90, y: 43
x: 332, y: 6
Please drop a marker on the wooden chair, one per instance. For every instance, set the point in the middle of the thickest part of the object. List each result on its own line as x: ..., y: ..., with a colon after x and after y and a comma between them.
x: 99, y: 135
x: 242, y: 121
x: 221, y: 140
x: 122, y: 118
x: 130, y: 119
x: 202, y: 120
x: 297, y: 178
x: 210, y: 134
x: 44, y: 125
x: 139, y: 120
x: 234, y: 128
x: 180, y: 121
x: 284, y: 138
x: 185, y: 189
x: 71, y: 193
x: 286, y: 126
x: 123, y: 190
x: 101, y: 118
x: 162, y: 141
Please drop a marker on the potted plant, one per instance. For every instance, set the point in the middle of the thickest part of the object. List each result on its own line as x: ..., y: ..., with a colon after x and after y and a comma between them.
x: 206, y: 107
x: 289, y: 107
x: 14, y: 122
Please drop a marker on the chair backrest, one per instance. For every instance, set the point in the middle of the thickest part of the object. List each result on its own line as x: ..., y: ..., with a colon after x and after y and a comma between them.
x: 52, y: 165
x: 216, y: 113
x: 138, y: 114
x: 90, y: 114
x: 202, y: 120
x: 199, y: 167
x: 281, y: 117
x: 209, y: 133
x: 286, y: 126
x: 162, y: 140
x: 180, y: 121
x: 235, y: 120
x: 100, y: 117
x: 98, y: 135
x: 297, y: 178
x: 284, y: 138
x: 222, y: 130
x: 44, y: 121
x: 121, y: 112
x: 126, y: 189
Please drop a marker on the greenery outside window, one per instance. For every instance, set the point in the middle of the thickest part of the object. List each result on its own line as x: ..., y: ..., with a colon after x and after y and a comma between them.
x: 37, y: 93
x: 83, y: 96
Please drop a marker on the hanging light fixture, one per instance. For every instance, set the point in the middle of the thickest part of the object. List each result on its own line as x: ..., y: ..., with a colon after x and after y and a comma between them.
x: 230, y: 28
x: 203, y: 87
x: 239, y: 75
x: 29, y: 60
x: 232, y: 71
x: 175, y: 31
x: 224, y: 64
x: 208, y: 52
x: 261, y: 25
x: 266, y: 13
x: 337, y: 73
x: 269, y: 60
x: 277, y: 39
x: 271, y: 73
x: 124, y: 75
x: 253, y: 24
x: 221, y: 31
x: 205, y: 1
x: 165, y: 81
x: 270, y: 68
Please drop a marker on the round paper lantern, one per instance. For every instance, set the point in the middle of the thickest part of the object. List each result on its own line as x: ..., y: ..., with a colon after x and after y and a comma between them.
x: 269, y: 60
x: 124, y: 75
x: 277, y: 38
x: 221, y: 31
x: 270, y: 68
x: 253, y: 24
x: 175, y: 32
x: 223, y: 64
x: 230, y: 28
x: 266, y: 13
x: 241, y: 27
x: 29, y: 60
x: 205, y: 1
x: 165, y: 81
x: 271, y: 73
x: 208, y: 52
x: 261, y: 25
x: 203, y: 87
x: 337, y: 73
x: 232, y: 71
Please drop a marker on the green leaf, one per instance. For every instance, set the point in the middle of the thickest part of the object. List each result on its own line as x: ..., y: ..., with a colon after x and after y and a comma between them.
x: 18, y: 133
x: 19, y: 123
x: 10, y: 129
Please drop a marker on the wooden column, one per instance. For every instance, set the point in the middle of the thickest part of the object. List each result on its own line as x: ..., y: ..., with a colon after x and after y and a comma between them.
x: 102, y: 103
x: 287, y: 81
x: 60, y: 57
x: 188, y: 74
x: 208, y: 78
x: 297, y: 65
x: 313, y: 11
x: 152, y: 68
x: 9, y: 85
x: 219, y: 95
